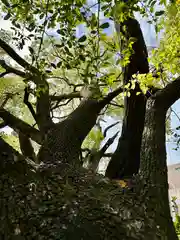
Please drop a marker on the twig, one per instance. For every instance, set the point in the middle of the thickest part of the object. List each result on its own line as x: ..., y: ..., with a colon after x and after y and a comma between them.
x: 175, y: 114
x: 44, y: 26
x: 109, y: 127
x: 28, y: 104
x: 107, y: 144
x: 116, y: 105
x: 107, y: 99
x: 61, y: 105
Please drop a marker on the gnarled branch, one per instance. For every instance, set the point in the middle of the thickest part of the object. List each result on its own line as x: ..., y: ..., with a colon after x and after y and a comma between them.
x: 43, y: 104
x: 73, y: 130
x: 16, y: 57
x: 170, y: 94
x: 20, y: 126
x: 10, y: 69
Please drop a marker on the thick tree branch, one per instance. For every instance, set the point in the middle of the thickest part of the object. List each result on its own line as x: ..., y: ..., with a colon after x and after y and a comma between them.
x: 153, y: 165
x: 17, y: 58
x: 107, y: 155
x: 107, y: 99
x: 2, y: 125
x: 125, y: 160
x: 43, y: 104
x: 42, y: 114
x: 72, y: 95
x: 72, y: 131
x: 19, y: 125
x: 65, y: 96
x: 169, y: 95
x: 11, y: 70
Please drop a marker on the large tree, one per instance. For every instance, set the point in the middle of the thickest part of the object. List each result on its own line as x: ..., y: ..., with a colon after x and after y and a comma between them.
x: 52, y: 194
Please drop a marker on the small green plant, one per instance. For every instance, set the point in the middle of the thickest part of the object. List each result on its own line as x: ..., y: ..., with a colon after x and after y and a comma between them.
x: 177, y: 216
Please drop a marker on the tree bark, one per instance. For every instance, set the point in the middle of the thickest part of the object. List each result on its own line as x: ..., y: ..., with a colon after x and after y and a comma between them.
x: 153, y: 167
x: 63, y: 140
x: 126, y: 159
x: 11, y: 160
x: 20, y: 126
x: 42, y: 86
x: 78, y: 205
x: 26, y: 147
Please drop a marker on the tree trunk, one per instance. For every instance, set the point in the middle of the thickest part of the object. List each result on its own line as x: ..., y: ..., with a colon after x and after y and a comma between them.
x: 153, y: 168
x: 126, y: 159
x: 42, y: 204
x: 63, y: 140
x: 46, y: 204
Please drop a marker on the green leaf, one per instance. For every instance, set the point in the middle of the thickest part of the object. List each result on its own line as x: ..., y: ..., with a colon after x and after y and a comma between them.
x: 159, y: 13
x: 67, y: 51
x: 82, y: 39
x: 7, y: 16
x: 48, y: 71
x: 93, y: 31
x: 104, y: 25
x: 41, y: 16
x: 53, y: 65
x: 82, y: 58
x: 31, y: 27
x: 60, y: 31
x: 59, y: 64
x: 31, y: 50
x: 69, y: 44
x: 163, y: 2
x: 58, y: 45
x: 152, y: 3
x: 106, y: 6
x: 68, y: 66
